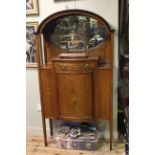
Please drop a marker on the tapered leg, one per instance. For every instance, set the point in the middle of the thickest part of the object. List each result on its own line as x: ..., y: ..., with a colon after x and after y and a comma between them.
x: 44, y: 130
x: 111, y: 133
x: 51, y: 127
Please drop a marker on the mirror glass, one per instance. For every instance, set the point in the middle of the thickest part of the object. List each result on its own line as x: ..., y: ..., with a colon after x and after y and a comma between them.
x: 76, y: 33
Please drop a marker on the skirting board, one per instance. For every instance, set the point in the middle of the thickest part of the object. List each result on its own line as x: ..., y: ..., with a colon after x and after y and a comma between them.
x: 32, y: 131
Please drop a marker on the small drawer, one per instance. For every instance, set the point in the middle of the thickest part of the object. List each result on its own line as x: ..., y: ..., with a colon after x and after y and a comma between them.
x: 75, y: 65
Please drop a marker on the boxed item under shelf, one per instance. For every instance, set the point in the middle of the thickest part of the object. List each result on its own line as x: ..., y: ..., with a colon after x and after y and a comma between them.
x: 77, y: 138
x: 76, y: 144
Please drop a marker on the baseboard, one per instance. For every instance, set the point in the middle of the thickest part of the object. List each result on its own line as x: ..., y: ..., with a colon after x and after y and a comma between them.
x: 107, y: 135
x: 36, y: 131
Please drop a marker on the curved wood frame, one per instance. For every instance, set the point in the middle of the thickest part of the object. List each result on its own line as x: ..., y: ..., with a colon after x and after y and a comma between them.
x: 60, y: 14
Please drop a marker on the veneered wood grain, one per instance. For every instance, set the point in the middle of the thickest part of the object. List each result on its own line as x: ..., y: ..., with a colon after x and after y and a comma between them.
x: 75, y: 95
x: 103, y: 94
x: 47, y: 92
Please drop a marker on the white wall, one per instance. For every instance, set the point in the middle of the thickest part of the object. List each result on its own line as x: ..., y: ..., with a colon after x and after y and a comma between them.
x: 108, y: 9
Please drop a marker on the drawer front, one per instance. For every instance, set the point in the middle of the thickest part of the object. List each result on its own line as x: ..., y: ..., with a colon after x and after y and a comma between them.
x: 75, y: 65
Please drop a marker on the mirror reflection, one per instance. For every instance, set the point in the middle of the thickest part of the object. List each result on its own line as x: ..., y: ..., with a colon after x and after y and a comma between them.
x: 77, y: 33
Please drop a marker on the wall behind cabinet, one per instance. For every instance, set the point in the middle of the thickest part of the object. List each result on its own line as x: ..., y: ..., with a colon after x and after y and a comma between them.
x: 108, y: 9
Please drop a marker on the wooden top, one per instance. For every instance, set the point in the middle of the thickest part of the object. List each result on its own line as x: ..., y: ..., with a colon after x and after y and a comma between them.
x: 74, y: 59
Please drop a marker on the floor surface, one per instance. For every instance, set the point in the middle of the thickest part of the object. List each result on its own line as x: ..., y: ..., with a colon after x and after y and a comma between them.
x: 35, y: 146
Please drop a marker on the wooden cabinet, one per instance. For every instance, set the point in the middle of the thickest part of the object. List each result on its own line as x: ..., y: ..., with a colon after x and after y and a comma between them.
x: 75, y: 88
x: 75, y: 68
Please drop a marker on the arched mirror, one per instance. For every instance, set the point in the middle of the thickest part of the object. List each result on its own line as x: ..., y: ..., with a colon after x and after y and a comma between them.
x: 76, y: 33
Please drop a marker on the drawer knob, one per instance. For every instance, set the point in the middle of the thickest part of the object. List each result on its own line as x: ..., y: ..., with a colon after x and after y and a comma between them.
x: 86, y: 66
x: 63, y: 66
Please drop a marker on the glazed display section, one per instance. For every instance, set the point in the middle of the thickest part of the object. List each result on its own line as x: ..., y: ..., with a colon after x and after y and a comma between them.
x: 75, y: 70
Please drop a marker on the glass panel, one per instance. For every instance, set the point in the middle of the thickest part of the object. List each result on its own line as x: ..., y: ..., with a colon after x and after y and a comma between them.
x: 77, y: 33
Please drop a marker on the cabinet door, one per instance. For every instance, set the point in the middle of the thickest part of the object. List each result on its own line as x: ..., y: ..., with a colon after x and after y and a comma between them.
x: 75, y: 95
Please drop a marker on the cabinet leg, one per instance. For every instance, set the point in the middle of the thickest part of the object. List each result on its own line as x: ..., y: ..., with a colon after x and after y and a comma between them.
x: 110, y: 147
x: 51, y: 127
x: 44, y: 130
x: 111, y: 134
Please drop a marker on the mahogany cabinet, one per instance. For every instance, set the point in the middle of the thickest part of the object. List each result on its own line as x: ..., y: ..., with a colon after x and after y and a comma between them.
x: 75, y: 66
